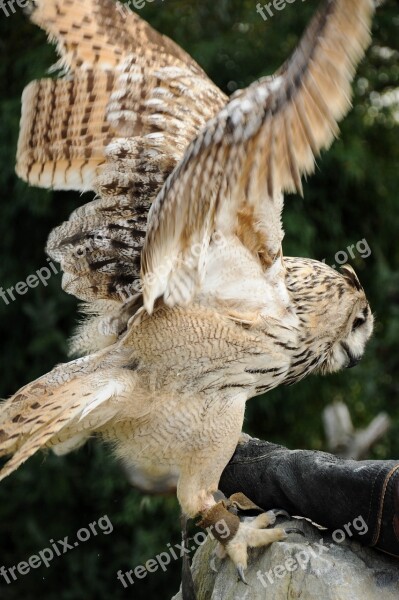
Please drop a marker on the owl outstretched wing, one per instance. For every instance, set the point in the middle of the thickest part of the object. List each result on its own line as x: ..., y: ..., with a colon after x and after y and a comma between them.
x: 230, y: 182
x: 63, y: 408
x: 117, y: 121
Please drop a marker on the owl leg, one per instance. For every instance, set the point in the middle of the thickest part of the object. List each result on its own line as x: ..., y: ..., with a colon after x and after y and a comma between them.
x: 197, y: 491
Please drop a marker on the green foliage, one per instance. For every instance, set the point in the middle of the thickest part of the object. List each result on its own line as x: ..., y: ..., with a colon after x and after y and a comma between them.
x: 352, y: 196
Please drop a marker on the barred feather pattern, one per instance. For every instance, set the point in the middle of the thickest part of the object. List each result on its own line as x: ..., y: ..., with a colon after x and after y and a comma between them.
x: 258, y: 146
x: 117, y: 123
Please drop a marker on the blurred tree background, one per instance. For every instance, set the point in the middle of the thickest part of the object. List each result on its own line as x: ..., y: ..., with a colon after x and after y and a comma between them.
x: 352, y: 197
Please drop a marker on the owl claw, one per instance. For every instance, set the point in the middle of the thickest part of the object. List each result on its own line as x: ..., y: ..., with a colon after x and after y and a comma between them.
x: 279, y: 512
x: 213, y: 565
x: 241, y: 574
x: 251, y: 535
x: 253, y: 532
x: 294, y: 530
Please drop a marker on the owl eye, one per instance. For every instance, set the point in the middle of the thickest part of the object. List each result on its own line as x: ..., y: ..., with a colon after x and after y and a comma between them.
x: 358, y: 323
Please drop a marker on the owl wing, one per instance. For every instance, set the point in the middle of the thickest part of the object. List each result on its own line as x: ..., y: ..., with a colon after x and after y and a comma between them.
x: 228, y: 187
x: 63, y: 408
x: 117, y: 122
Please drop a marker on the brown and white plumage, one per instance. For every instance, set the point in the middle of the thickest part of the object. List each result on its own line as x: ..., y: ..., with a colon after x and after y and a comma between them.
x: 224, y: 316
x: 257, y: 147
x: 117, y: 123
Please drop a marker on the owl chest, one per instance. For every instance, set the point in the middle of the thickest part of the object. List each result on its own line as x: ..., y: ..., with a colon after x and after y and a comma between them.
x: 176, y: 428
x: 198, y: 352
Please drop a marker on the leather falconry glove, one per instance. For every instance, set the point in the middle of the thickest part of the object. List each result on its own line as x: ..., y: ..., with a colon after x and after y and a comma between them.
x: 328, y: 490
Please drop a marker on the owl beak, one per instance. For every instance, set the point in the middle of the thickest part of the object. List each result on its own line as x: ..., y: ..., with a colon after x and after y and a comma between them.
x: 352, y: 359
x: 353, y: 362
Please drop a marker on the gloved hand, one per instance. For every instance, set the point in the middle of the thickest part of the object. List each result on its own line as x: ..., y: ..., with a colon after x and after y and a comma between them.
x: 331, y: 491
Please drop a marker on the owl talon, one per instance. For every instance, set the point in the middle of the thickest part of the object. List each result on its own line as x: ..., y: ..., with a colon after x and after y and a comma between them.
x: 279, y: 512
x: 212, y: 565
x: 294, y: 530
x: 241, y: 574
x: 241, y: 535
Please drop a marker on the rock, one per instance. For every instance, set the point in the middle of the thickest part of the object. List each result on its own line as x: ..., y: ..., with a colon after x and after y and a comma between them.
x: 314, y: 567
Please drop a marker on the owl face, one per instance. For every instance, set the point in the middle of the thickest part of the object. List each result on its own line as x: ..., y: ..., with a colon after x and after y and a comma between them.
x: 348, y: 348
x: 334, y: 314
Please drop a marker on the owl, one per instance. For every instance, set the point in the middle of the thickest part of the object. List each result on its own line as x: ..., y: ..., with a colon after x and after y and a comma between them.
x: 192, y: 307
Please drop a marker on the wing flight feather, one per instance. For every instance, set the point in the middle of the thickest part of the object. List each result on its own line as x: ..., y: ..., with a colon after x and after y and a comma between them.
x: 259, y: 145
x: 117, y: 123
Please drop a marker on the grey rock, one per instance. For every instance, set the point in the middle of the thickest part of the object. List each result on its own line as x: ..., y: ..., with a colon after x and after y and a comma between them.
x: 314, y: 567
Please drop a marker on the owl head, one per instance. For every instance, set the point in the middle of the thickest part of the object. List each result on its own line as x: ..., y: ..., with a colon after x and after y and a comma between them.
x: 334, y: 313
x: 356, y: 328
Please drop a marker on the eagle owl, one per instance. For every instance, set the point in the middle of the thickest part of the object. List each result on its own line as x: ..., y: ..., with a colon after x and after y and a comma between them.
x: 192, y: 308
